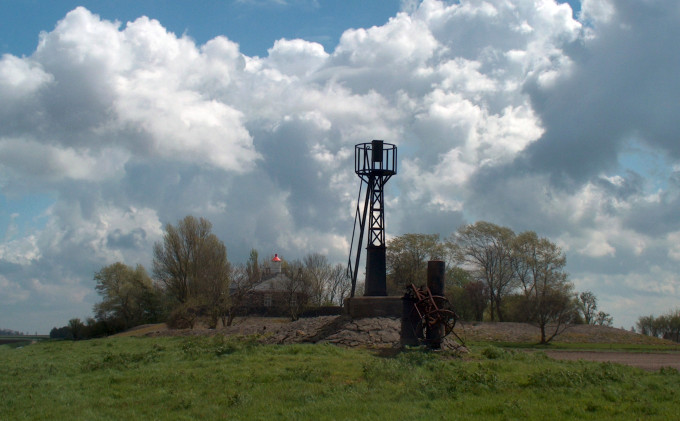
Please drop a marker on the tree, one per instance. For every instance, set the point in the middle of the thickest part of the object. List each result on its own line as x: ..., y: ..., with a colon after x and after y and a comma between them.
x: 545, y: 284
x: 670, y: 324
x: 407, y: 257
x: 128, y: 295
x: 665, y: 326
x: 339, y: 285
x: 486, y: 250
x: 468, y: 296
x: 191, y: 263
x: 213, y: 279
x: 647, y: 325
x: 476, y: 294
x: 587, y: 305
x: 76, y: 326
x: 296, y: 287
x: 253, y: 269
x: 603, y: 319
x: 244, y: 280
x: 319, y: 273
x: 63, y: 332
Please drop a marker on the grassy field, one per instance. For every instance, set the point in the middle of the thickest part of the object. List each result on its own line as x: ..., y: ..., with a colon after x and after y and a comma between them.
x: 238, y: 379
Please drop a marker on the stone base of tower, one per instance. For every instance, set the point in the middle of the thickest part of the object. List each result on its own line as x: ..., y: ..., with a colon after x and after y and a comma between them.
x: 386, y: 306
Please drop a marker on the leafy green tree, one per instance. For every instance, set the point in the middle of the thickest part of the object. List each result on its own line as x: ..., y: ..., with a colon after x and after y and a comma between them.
x: 545, y: 284
x: 647, y: 325
x: 63, y: 332
x: 587, y: 305
x: 671, y: 325
x: 128, y: 295
x: 467, y: 295
x: 603, y: 319
x: 253, y: 269
x: 486, y: 249
x: 665, y: 326
x: 407, y: 257
x: 77, y: 328
x: 192, y: 264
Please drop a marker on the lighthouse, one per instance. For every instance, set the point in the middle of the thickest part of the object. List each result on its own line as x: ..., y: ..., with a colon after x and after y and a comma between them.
x: 276, y: 264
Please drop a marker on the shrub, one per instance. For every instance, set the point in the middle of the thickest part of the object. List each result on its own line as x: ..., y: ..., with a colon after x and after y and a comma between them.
x: 183, y: 317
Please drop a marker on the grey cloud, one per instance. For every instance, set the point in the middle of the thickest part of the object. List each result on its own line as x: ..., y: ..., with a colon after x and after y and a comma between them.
x: 132, y: 240
x: 623, y: 86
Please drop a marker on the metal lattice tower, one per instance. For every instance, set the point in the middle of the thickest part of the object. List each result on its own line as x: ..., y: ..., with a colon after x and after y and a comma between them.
x: 374, y: 163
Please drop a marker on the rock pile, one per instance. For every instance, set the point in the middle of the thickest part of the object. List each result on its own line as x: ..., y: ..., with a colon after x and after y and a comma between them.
x: 378, y: 332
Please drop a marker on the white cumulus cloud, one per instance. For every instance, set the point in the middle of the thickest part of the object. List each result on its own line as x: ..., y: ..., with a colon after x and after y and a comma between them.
x: 512, y: 112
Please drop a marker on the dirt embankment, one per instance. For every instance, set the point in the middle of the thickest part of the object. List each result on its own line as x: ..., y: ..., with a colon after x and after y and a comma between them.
x: 526, y: 333
x: 384, y: 333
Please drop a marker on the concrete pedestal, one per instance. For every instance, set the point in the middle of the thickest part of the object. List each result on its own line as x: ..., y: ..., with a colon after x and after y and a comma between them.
x: 360, y: 307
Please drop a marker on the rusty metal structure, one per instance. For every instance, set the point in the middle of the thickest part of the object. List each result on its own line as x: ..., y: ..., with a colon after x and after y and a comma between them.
x: 432, y: 317
x: 375, y: 163
x: 427, y: 316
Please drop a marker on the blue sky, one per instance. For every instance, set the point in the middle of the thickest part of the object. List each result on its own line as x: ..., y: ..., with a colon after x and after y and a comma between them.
x: 255, y: 25
x: 519, y: 113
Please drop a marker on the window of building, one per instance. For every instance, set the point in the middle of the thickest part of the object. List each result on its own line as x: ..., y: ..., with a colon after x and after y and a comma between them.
x: 267, y: 300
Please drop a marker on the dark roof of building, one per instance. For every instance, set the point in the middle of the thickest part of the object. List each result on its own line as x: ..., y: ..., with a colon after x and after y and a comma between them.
x: 271, y: 282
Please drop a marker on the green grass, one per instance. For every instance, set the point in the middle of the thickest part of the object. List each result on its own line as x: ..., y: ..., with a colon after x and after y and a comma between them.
x: 217, y: 378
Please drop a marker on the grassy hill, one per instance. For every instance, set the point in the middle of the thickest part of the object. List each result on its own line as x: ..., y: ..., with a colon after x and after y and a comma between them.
x: 238, y: 378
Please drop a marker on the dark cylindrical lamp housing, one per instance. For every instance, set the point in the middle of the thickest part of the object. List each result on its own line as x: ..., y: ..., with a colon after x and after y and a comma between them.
x: 376, y: 280
x: 436, y: 278
x: 377, y: 150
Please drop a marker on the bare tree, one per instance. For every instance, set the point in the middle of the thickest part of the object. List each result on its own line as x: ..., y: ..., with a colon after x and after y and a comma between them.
x: 297, y: 287
x: 319, y: 273
x: 244, y: 280
x: 339, y: 284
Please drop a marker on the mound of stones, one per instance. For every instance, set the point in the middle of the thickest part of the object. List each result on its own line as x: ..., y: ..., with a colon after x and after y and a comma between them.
x: 378, y: 332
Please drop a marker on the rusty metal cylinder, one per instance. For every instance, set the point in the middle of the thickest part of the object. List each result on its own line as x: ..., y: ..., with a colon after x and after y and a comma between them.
x: 436, y: 279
